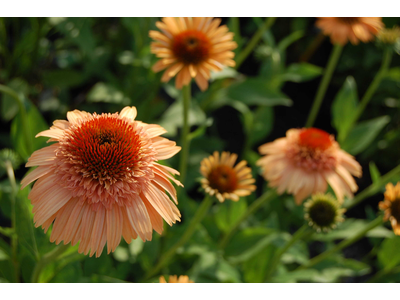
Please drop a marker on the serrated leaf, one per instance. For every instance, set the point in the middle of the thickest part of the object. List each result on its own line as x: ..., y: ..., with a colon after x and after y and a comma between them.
x: 301, y: 72
x: 255, y: 91
x: 363, y: 134
x: 344, y: 107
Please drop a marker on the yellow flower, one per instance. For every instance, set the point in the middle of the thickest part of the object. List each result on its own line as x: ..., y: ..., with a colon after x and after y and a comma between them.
x: 175, y: 279
x: 391, y: 206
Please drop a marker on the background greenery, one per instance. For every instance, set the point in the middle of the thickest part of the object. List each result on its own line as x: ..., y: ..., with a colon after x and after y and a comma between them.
x: 103, y: 64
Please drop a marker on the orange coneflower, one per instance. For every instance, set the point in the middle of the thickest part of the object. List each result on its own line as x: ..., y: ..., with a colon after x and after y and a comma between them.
x: 224, y: 180
x: 354, y: 29
x: 190, y: 48
x: 101, y: 181
x: 305, y: 161
x: 391, y: 206
x: 175, y: 279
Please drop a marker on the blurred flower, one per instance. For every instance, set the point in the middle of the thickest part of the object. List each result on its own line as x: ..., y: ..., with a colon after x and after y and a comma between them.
x: 175, y: 279
x: 100, y: 180
x: 190, y: 48
x: 391, y: 206
x: 11, y: 156
x: 305, y: 161
x: 223, y: 180
x: 323, y: 212
x: 355, y: 29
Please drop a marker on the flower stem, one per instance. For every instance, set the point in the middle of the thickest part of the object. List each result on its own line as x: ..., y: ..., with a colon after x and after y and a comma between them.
x: 387, y: 58
x: 323, y: 86
x: 300, y: 233
x: 14, y: 237
x: 254, y: 40
x: 267, y: 196
x: 373, y: 188
x: 45, y: 260
x: 28, y: 138
x: 317, y: 259
x: 197, y: 218
x: 185, y: 142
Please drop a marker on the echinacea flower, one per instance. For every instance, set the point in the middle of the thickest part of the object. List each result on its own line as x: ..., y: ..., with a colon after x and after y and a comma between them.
x: 354, y: 29
x: 323, y: 212
x: 391, y: 206
x: 305, y: 161
x: 175, y: 279
x: 100, y: 180
x: 389, y: 36
x: 224, y: 180
x: 191, y: 48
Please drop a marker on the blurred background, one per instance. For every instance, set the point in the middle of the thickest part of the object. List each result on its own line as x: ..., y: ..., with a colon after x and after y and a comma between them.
x: 103, y: 64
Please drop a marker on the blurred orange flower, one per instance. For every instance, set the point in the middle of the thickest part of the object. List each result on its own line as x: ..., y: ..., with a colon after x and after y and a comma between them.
x: 175, y: 279
x: 190, y: 48
x: 391, y: 206
x: 355, y: 29
x: 224, y: 180
x: 101, y: 181
x: 305, y: 161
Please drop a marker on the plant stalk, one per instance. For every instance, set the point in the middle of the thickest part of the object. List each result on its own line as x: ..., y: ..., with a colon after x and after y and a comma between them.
x: 185, y: 142
x: 323, y: 86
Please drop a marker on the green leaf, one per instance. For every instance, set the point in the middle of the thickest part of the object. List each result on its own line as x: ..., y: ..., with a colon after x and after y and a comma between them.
x: 300, y: 72
x: 344, y: 107
x: 24, y: 224
x: 36, y: 124
x: 255, y: 269
x: 263, y: 120
x: 255, y: 91
x: 393, y: 74
x: 228, y: 213
x: 9, y: 106
x: 373, y: 170
x: 363, y: 134
x: 172, y: 119
x: 389, y: 254
x: 103, y: 92
x: 290, y: 39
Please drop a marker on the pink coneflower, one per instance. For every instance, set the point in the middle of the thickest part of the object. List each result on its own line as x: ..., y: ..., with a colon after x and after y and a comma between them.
x: 101, y: 181
x: 191, y: 48
x: 305, y: 161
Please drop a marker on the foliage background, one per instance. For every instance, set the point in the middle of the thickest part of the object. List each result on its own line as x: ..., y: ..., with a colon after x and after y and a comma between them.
x: 103, y: 64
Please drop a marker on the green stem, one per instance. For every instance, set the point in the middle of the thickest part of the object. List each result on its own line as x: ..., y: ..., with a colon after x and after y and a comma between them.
x: 317, y: 259
x: 185, y: 142
x: 323, y: 86
x: 267, y: 196
x: 373, y: 188
x: 197, y: 218
x: 254, y: 41
x: 28, y: 139
x: 300, y: 233
x: 45, y: 260
x: 387, y: 58
x: 14, y: 237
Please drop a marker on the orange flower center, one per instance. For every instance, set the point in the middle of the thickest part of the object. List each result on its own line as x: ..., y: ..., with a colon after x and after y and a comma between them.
x: 191, y: 47
x: 105, y: 148
x: 349, y: 20
x: 224, y: 179
x: 315, y: 139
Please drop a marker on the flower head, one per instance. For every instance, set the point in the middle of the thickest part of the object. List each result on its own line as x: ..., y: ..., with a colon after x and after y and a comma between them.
x: 323, y: 212
x: 190, y: 48
x: 389, y: 36
x: 391, y: 206
x: 100, y: 180
x: 355, y: 29
x: 175, y: 279
x: 224, y: 180
x: 305, y: 161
